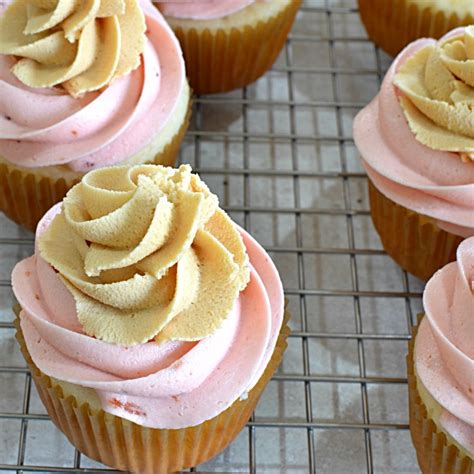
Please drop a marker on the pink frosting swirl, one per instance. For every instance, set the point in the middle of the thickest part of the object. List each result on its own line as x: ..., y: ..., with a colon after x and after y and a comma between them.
x: 47, y: 127
x: 172, y: 385
x: 203, y: 9
x: 444, y: 347
x: 431, y: 182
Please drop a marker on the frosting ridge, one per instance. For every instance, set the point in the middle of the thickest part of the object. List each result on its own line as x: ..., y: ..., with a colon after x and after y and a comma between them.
x: 437, y: 93
x: 82, y: 46
x: 146, y: 253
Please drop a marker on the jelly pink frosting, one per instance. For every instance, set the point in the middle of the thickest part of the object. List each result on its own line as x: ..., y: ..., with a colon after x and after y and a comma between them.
x: 202, y: 9
x: 172, y: 385
x: 444, y: 346
x: 45, y: 127
x: 431, y: 182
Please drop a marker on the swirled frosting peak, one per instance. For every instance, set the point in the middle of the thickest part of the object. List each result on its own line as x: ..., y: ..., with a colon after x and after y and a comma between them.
x: 437, y: 87
x: 81, y: 45
x: 146, y: 253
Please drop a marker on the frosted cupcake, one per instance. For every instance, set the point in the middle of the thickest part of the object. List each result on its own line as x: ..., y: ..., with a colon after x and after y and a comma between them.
x: 150, y: 322
x: 441, y: 370
x: 393, y: 24
x: 229, y: 44
x: 416, y: 139
x: 83, y: 86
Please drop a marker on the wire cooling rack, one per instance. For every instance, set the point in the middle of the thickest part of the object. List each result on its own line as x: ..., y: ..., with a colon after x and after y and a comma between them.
x: 280, y: 155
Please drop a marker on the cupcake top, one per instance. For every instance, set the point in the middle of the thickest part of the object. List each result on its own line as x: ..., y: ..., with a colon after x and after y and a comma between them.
x: 436, y: 88
x: 416, y: 137
x: 444, y: 347
x: 85, y: 85
x: 203, y: 9
x: 141, y: 288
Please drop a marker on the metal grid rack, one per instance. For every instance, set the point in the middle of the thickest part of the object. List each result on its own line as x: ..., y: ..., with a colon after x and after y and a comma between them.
x: 280, y: 155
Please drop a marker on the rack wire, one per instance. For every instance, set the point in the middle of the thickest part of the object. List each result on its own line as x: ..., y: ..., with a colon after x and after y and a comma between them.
x: 280, y: 155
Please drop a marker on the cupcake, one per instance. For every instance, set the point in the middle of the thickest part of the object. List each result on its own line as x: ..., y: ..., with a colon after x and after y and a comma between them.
x: 441, y: 370
x: 151, y: 323
x: 83, y: 85
x: 393, y: 24
x: 229, y: 44
x: 416, y: 139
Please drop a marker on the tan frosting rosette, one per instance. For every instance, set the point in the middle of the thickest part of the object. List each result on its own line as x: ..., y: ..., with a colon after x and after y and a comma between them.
x: 438, y: 94
x: 146, y: 253
x: 82, y: 45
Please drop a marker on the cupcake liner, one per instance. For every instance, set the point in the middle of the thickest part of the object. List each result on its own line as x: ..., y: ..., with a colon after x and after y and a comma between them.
x: 413, y: 240
x: 225, y: 59
x: 124, y: 445
x: 435, y: 453
x: 392, y: 24
x: 26, y: 193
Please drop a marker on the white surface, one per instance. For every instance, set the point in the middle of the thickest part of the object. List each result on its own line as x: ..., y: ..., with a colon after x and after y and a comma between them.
x: 345, y: 72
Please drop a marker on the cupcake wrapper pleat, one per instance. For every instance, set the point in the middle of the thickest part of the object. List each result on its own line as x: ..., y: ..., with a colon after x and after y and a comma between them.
x: 223, y: 60
x: 26, y: 194
x: 414, y: 241
x: 127, y: 446
x: 393, y: 24
x: 435, y: 453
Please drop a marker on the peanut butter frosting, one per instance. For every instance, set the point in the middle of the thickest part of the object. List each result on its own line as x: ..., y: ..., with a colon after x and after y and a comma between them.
x: 146, y: 253
x: 437, y: 87
x: 82, y: 46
